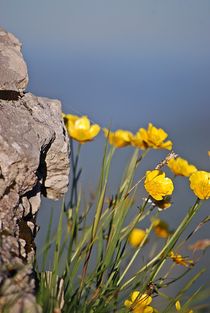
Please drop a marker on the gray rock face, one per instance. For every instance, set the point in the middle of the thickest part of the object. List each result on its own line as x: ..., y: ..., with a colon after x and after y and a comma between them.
x: 13, y: 69
x: 34, y: 160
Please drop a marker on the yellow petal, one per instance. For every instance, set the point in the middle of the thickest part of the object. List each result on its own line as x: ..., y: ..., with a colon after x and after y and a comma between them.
x: 82, y: 123
x: 119, y: 138
x: 145, y: 299
x: 72, y: 118
x: 148, y: 309
x: 134, y: 296
x: 150, y: 175
x: 167, y: 145
x: 128, y: 303
x: 178, y: 306
x: 94, y: 130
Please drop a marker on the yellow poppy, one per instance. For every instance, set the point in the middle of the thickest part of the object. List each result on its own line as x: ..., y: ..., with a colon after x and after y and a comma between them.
x: 157, y: 185
x: 120, y: 138
x: 151, y: 137
x: 136, y: 237
x: 139, y: 303
x: 80, y: 129
x: 200, y: 184
x: 181, y: 167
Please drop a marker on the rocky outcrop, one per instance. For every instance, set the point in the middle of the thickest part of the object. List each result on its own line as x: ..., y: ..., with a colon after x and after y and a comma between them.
x: 34, y: 161
x: 13, y: 69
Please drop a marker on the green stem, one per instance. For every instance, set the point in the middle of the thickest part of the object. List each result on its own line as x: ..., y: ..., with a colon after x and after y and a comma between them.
x: 169, y: 245
x: 99, y: 207
x: 75, y: 174
x: 139, y: 248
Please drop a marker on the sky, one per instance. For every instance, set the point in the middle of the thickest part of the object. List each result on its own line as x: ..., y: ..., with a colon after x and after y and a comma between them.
x: 123, y: 63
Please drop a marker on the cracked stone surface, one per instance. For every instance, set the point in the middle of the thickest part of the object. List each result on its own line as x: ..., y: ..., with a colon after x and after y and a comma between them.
x: 13, y: 69
x: 34, y: 161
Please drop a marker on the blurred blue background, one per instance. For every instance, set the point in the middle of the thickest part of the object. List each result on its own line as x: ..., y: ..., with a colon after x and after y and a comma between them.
x: 123, y: 63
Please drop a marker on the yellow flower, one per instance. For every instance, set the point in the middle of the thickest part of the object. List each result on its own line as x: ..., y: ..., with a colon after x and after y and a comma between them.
x: 137, y: 141
x: 136, y: 237
x: 80, y: 129
x: 151, y: 137
x: 178, y: 307
x: 180, y: 260
x: 161, y: 228
x: 200, y: 184
x: 139, y: 303
x: 119, y: 138
x: 209, y: 153
x: 157, y: 185
x: 181, y: 167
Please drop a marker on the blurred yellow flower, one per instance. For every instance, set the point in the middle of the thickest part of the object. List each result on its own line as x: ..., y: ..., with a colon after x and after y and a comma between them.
x: 137, y: 141
x: 181, y: 167
x: 161, y: 228
x: 157, y: 185
x: 80, y: 129
x: 139, y: 303
x: 209, y: 153
x: 180, y: 260
x: 136, y: 237
x: 151, y: 137
x: 120, y: 138
x: 200, y: 184
x: 178, y: 307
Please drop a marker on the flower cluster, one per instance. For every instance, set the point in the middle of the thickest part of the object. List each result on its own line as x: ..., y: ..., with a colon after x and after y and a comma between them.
x: 159, y: 188
x: 151, y: 137
x: 156, y: 184
x: 80, y: 129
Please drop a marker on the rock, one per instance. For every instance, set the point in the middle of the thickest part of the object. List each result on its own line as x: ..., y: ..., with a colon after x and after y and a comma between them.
x: 34, y: 161
x: 13, y: 69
